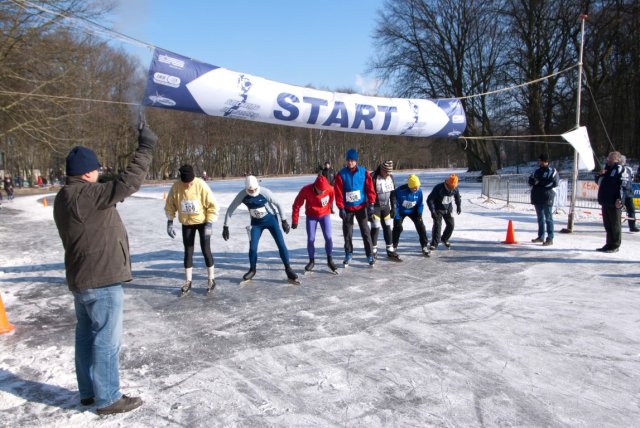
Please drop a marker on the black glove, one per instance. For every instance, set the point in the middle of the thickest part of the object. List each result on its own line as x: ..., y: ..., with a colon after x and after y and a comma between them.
x: 285, y: 226
x: 294, y: 226
x: 147, y: 139
x: 393, y: 212
x: 225, y: 233
x: 371, y: 209
x: 459, y: 210
x: 342, y: 213
x: 208, y: 229
x: 170, y: 231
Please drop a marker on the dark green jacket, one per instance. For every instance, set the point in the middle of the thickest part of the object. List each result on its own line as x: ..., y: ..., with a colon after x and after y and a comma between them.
x: 93, y: 235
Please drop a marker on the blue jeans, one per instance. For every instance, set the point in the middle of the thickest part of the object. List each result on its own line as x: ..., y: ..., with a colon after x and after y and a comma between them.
x: 98, y: 334
x: 545, y: 217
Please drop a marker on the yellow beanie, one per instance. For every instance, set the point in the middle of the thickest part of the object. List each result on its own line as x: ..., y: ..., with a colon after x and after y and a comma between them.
x: 413, y: 181
x: 452, y: 181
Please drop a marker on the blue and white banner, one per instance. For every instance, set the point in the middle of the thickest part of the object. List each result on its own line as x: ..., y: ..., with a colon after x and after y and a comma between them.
x: 180, y: 83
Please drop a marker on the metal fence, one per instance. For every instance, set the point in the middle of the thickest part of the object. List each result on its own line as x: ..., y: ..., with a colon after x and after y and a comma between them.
x: 515, y: 189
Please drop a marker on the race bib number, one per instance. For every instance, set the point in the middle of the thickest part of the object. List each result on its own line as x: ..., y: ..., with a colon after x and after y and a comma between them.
x: 408, y: 204
x: 387, y: 186
x: 324, y: 201
x: 258, y: 212
x: 189, y: 207
x: 353, y: 196
x: 446, y: 200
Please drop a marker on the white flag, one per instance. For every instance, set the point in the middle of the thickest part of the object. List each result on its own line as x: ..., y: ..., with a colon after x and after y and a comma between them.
x: 579, y: 139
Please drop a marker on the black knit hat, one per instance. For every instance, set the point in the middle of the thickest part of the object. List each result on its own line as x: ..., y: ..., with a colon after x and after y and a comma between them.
x: 186, y: 173
x: 544, y: 157
x: 81, y: 160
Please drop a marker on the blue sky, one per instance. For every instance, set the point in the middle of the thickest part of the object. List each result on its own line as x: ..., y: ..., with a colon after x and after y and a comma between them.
x: 327, y: 44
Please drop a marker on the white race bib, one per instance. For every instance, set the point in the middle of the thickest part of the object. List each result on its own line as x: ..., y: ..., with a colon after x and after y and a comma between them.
x: 353, y: 196
x: 446, y: 200
x: 324, y: 201
x: 408, y: 204
x: 189, y: 207
x: 387, y: 186
x: 258, y: 212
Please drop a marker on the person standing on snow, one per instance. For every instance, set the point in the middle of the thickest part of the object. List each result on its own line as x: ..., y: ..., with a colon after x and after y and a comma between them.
x: 264, y: 210
x: 197, y: 209
x: 355, y: 196
x: 409, y: 204
x: 328, y: 173
x: 543, y: 181
x: 440, y: 203
x: 384, y: 208
x: 628, y: 196
x: 97, y: 261
x: 318, y: 199
x: 611, y: 182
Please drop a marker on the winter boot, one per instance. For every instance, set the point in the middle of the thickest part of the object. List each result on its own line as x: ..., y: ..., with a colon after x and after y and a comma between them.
x: 211, y: 285
x: 547, y: 242
x: 331, y: 265
x: 371, y: 260
x: 537, y: 240
x: 433, y: 245
x: 250, y: 274
x: 124, y: 404
x: 633, y: 227
x: 186, y: 287
x: 374, y: 252
x: 447, y: 244
x: 426, y: 251
x: 310, y: 265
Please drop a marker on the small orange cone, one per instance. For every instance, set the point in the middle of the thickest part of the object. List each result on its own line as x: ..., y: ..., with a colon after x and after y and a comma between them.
x: 5, y: 327
x: 44, y: 202
x: 511, y: 236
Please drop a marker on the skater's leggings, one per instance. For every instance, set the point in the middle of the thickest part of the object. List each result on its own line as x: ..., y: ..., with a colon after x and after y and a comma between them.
x: 347, y: 230
x: 381, y: 218
x: 269, y: 222
x: 420, y: 228
x: 325, y: 225
x: 188, y: 239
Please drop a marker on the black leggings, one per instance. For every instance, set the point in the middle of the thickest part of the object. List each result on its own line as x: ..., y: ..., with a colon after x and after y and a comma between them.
x: 189, y: 238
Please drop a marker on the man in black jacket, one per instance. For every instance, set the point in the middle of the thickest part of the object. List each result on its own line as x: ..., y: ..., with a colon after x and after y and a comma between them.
x: 97, y: 261
x: 611, y: 182
x: 543, y: 181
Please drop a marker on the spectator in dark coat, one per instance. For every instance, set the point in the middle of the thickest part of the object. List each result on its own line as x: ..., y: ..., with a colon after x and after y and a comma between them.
x: 329, y: 173
x: 611, y: 182
x: 97, y: 261
x: 543, y: 181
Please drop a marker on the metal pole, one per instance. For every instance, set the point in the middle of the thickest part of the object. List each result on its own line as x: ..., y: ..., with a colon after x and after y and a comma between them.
x: 574, y: 177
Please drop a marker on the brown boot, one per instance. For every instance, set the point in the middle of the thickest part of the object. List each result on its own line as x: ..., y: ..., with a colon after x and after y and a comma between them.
x: 124, y: 404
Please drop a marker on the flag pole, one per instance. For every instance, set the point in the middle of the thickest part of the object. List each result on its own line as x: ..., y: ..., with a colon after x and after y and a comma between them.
x: 576, y: 156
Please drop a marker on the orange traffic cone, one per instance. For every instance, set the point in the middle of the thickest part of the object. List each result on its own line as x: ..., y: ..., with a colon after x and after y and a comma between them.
x: 511, y: 237
x: 5, y: 327
x: 44, y: 202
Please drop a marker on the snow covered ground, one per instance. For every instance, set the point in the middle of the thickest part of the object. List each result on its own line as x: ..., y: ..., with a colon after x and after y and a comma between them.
x: 485, y: 334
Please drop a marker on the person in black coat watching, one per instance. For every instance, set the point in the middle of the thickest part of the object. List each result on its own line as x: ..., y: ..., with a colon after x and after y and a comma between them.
x: 543, y: 181
x: 329, y: 173
x: 611, y: 182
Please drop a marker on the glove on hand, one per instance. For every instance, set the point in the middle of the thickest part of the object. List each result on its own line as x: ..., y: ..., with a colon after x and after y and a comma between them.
x: 147, y: 139
x: 170, y: 231
x: 393, y: 212
x: 294, y: 226
x: 342, y: 213
x: 371, y: 209
x: 225, y: 233
x: 459, y: 210
x: 285, y: 226
x: 208, y: 229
